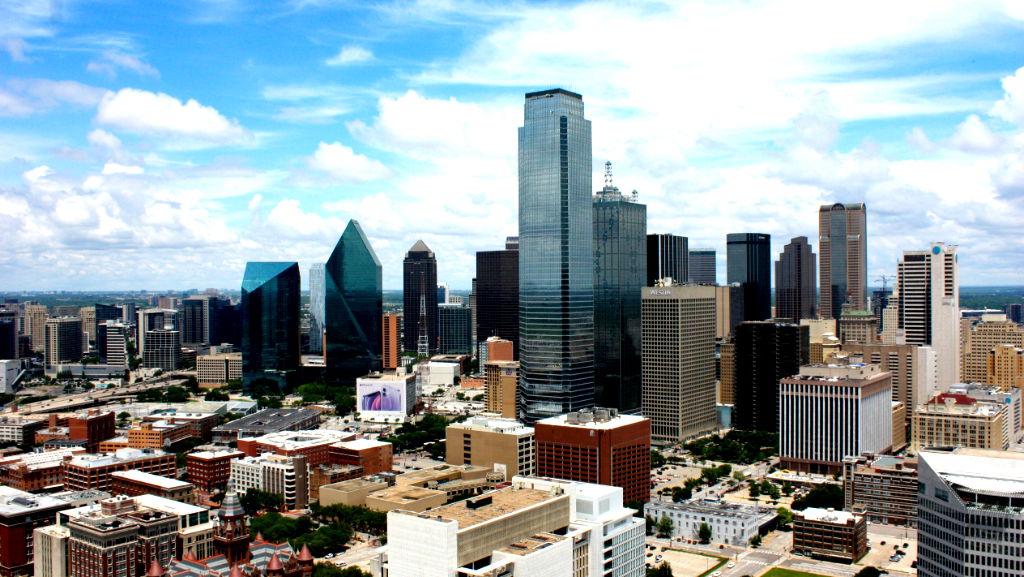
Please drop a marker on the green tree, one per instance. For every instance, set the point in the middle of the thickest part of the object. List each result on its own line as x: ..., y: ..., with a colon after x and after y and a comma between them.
x: 124, y: 416
x: 650, y: 524
x: 755, y: 489
x: 785, y: 516
x: 328, y: 570
x: 823, y: 496
x: 704, y: 533
x: 665, y: 526
x: 868, y: 572
x: 663, y: 570
x: 755, y: 541
x: 255, y: 501
x: 216, y: 395
x: 175, y: 395
x: 787, y: 488
x: 657, y: 459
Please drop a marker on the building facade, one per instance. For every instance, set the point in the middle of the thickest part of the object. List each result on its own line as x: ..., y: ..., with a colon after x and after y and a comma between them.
x: 978, y: 342
x: 63, y: 340
x: 730, y: 523
x: 764, y: 353
x: 703, y: 266
x: 278, y: 474
x: 503, y: 445
x: 419, y: 283
x: 831, y: 535
x: 796, y: 291
x: 749, y: 263
x: 883, y: 488
x: 928, y: 291
x: 271, y: 342
x: 454, y: 330
x: 501, y: 385
x: 353, y: 310
x: 391, y: 341
x: 162, y: 350
x: 668, y: 256
x: 842, y: 246
x: 497, y: 295
x: 317, y: 307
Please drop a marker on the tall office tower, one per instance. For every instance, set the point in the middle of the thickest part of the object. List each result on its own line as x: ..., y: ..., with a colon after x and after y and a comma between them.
x: 106, y: 313
x: 829, y: 412
x: 1006, y: 367
x: 354, y: 306
x: 270, y: 323
x: 1015, y: 312
x: 765, y: 353
x: 419, y: 286
x: 112, y: 343
x: 668, y: 256
x: 88, y: 316
x: 620, y: 230
x: 929, y: 298
x: 880, y: 300
x: 8, y: 339
x: 978, y: 342
x: 35, y: 326
x: 154, y: 320
x: 63, y: 340
x: 163, y: 350
x: 128, y: 311
x: 702, y: 266
x: 678, y: 359
x: 455, y: 330
x: 501, y: 382
x: 749, y: 263
x: 969, y: 515
x: 391, y: 353
x: 443, y: 292
x: 556, y: 264
x: 843, y: 250
x: 201, y: 320
x: 497, y: 295
x: 796, y: 294
x: 912, y: 368
x: 472, y: 310
x: 317, y: 307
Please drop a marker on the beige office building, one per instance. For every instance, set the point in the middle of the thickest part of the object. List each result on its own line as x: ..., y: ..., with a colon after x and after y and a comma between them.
x: 726, y: 373
x: 957, y: 420
x: 882, y: 487
x: 35, y: 326
x: 63, y: 340
x: 1005, y: 367
x: 978, y: 342
x: 217, y: 370
x: 501, y: 381
x: 678, y: 361
x: 858, y: 327
x: 928, y: 290
x: 502, y: 445
x: 912, y: 367
x: 88, y: 316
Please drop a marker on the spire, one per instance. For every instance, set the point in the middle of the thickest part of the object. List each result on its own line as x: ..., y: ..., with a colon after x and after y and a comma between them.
x: 305, y: 554
x: 155, y: 570
x: 232, y: 505
x: 275, y: 564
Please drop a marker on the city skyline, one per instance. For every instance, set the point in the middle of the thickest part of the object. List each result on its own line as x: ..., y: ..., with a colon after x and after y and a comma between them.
x: 232, y: 133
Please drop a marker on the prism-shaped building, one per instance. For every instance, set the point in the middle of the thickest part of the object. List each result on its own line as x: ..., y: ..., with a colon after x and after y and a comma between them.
x: 270, y: 323
x: 352, y: 309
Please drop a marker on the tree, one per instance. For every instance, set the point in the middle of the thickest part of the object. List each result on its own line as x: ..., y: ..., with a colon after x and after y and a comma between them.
x: 755, y: 541
x: 822, y: 497
x: 217, y: 395
x: 665, y: 526
x: 704, y: 533
x: 650, y: 524
x: 755, y: 490
x: 124, y: 416
x: 328, y: 570
x: 657, y: 459
x: 254, y: 501
x: 787, y: 488
x: 663, y: 570
x: 868, y: 572
x: 785, y: 516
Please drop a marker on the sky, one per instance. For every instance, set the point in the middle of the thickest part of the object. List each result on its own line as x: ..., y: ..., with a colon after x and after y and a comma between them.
x: 162, y: 145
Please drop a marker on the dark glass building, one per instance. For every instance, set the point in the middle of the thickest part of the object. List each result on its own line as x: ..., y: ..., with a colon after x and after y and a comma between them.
x: 419, y: 291
x: 620, y: 242
x: 270, y: 323
x: 765, y: 352
x: 556, y: 258
x: 796, y: 293
x: 842, y: 244
x: 8, y: 339
x: 455, y: 330
x: 668, y: 255
x: 702, y: 266
x: 749, y: 263
x: 497, y: 296
x: 353, y: 308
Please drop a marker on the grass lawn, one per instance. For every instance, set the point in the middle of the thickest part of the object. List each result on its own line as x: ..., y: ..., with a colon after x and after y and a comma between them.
x: 780, y: 572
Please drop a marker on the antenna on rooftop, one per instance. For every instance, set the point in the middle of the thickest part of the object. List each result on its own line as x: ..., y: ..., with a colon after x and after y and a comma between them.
x: 608, y: 175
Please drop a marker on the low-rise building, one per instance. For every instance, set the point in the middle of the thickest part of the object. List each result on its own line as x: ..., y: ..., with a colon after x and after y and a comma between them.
x: 216, y: 370
x: 82, y: 472
x: 284, y: 476
x: 210, y: 470
x: 415, y: 491
x: 881, y: 487
x: 330, y: 474
x: 21, y: 513
x: 20, y: 430
x: 157, y: 434
x: 133, y: 483
x: 959, y: 419
x: 314, y: 444
x: 36, y: 471
x: 503, y: 445
x: 371, y: 455
x: 265, y: 422
x: 730, y: 523
x: 829, y: 534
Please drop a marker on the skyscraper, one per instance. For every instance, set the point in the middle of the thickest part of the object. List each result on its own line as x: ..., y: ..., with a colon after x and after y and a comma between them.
x: 317, y: 307
x: 620, y: 226
x: 702, y: 267
x: 419, y: 291
x: 353, y: 308
x: 63, y: 340
x: 668, y: 256
x: 455, y: 329
x: 765, y: 353
x: 391, y: 353
x: 497, y: 295
x: 928, y: 289
x: 749, y: 263
x: 556, y: 264
x: 842, y: 244
x: 270, y: 323
x: 795, y: 291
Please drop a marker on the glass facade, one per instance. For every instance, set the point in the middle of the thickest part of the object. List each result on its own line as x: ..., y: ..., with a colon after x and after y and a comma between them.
x: 455, y: 323
x: 353, y: 308
x: 796, y: 293
x: 749, y: 261
x: 556, y: 260
x: 270, y: 323
x: 317, y: 307
x: 419, y: 287
x: 702, y: 267
x: 620, y: 247
x: 842, y: 245
x: 667, y: 256
x: 497, y: 296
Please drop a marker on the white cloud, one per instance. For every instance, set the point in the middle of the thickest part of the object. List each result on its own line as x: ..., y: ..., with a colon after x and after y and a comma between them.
x: 350, y: 55
x: 1011, y: 107
x: 110, y: 61
x: 973, y: 135
x: 919, y: 140
x: 159, y: 115
x: 343, y: 164
x: 115, y: 168
x: 28, y: 96
x: 15, y: 47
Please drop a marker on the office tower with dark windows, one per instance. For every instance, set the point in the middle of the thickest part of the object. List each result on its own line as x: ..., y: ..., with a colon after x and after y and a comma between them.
x: 796, y: 294
x: 8, y: 339
x: 702, y: 266
x: 749, y: 263
x: 1015, y: 312
x: 928, y: 290
x: 270, y: 323
x: 353, y: 309
x: 63, y: 340
x: 317, y: 307
x: 203, y: 320
x: 163, y: 350
x: 419, y: 292
x: 668, y: 256
x: 620, y: 229
x: 880, y: 300
x: 112, y: 343
x: 154, y: 320
x: 455, y: 330
x: 842, y: 246
x: 765, y: 352
x: 497, y: 294
x: 556, y: 264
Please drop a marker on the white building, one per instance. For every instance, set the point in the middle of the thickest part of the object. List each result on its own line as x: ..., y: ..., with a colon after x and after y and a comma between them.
x: 730, y: 523
x: 928, y: 290
x: 442, y: 374
x: 285, y: 476
x: 10, y: 372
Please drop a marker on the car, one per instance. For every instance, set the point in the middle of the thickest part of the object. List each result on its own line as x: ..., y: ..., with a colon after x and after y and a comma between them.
x: 716, y: 574
x: 731, y: 565
x: 328, y: 556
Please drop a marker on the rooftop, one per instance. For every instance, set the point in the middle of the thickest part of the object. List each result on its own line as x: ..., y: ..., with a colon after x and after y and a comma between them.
x: 502, y: 502
x: 716, y: 508
x: 494, y: 424
x: 596, y: 419
x: 293, y: 440
x: 360, y: 444
x: 119, y: 456
x: 978, y: 469
x: 272, y: 419
x: 14, y: 502
x: 151, y: 479
x: 167, y: 505
x: 531, y: 544
x: 226, y: 453
x: 828, y: 516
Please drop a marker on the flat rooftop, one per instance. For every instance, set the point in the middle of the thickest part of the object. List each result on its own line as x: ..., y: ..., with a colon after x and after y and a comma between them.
x: 828, y: 516
x: 592, y: 420
x: 532, y: 543
x: 151, y: 479
x: 495, y: 425
x: 716, y: 508
x: 167, y: 505
x: 503, y: 502
x: 294, y: 440
x: 273, y: 419
x: 119, y: 456
x: 229, y: 453
x: 979, y: 469
x: 361, y: 444
x: 14, y: 502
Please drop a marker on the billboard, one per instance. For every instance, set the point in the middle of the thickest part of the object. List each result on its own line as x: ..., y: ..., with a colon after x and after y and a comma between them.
x: 385, y: 399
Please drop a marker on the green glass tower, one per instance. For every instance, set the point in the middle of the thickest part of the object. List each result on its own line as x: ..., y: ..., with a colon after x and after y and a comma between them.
x: 270, y: 323
x: 352, y: 308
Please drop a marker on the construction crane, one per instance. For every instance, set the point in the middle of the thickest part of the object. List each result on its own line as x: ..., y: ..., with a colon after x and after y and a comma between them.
x: 885, y: 280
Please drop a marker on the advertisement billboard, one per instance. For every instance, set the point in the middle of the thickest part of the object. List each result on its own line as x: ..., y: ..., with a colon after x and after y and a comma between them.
x: 385, y: 399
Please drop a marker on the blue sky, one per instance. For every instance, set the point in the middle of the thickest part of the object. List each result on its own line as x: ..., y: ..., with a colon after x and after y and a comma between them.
x: 161, y: 145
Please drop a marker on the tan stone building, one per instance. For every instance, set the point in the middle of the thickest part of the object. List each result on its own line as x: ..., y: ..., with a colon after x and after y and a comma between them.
x: 726, y: 373
x: 501, y: 380
x: 503, y: 445
x: 978, y: 342
x: 958, y: 420
x: 912, y: 368
x: 1005, y: 367
x: 216, y: 370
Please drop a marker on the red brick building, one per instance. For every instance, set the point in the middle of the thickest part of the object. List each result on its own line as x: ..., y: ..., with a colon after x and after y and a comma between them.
x: 93, y: 471
x: 36, y: 471
x: 373, y: 456
x: 210, y: 470
x: 313, y: 444
x: 93, y: 426
x: 20, y: 514
x: 598, y: 446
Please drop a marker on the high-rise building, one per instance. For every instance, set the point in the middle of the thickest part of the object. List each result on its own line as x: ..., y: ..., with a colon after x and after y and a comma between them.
x: 163, y: 350
x: 912, y: 368
x: 391, y: 353
x: 1015, y: 312
x: 501, y: 381
x: 678, y: 360
x: 796, y: 294
x: 497, y: 295
x: 1005, y: 367
x: 969, y: 415
x: 702, y: 266
x: 154, y: 320
x: 828, y: 412
x: 765, y: 352
x: 978, y: 342
x: 620, y: 227
x: 112, y: 343
x: 88, y: 316
x: 928, y: 289
x: 969, y: 518
x: 454, y: 330
x: 8, y: 339
x: 419, y: 275
x: 354, y: 307
x: 749, y: 263
x: 270, y: 323
x: 35, y: 326
x: 287, y: 476
x: 880, y: 300
x: 598, y: 446
x: 63, y: 340
x: 556, y: 264
x: 667, y: 257
x: 317, y: 307
x: 842, y: 246
x: 857, y: 326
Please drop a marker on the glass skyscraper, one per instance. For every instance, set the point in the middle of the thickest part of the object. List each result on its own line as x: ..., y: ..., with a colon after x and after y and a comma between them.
x: 497, y: 296
x: 556, y: 257
x: 419, y: 291
x: 842, y: 245
x: 317, y: 307
x: 796, y: 294
x: 353, y: 308
x: 749, y: 262
x: 667, y: 257
x: 270, y: 323
x: 620, y: 244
